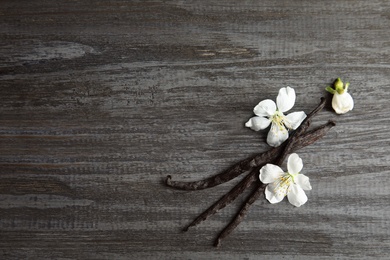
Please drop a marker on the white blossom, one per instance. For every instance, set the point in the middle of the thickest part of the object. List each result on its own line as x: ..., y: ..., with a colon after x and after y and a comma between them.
x: 342, y: 101
x: 267, y: 112
x: 291, y: 183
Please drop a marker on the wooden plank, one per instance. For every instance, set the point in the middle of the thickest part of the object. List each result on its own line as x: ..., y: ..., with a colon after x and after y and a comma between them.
x: 100, y: 101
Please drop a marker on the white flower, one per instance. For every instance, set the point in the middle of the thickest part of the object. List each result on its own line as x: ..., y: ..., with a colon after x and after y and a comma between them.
x: 267, y: 112
x: 291, y: 183
x: 342, y: 101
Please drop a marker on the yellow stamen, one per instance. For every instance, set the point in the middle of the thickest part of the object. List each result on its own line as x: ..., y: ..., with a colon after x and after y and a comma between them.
x: 282, y: 185
x: 278, y: 119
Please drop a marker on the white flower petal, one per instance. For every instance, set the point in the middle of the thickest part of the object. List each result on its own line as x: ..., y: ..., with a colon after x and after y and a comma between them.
x: 270, y: 173
x: 265, y: 108
x: 342, y: 103
x: 272, y: 194
x: 285, y: 99
x: 293, y: 120
x: 294, y: 164
x: 276, y: 136
x: 303, y: 181
x: 296, y: 195
x: 258, y: 123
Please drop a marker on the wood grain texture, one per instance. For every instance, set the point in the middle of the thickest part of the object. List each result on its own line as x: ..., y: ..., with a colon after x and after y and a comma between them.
x: 101, y: 100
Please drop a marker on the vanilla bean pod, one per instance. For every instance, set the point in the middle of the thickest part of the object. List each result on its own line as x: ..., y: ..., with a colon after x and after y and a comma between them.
x: 244, y: 165
x: 240, y: 215
x: 228, y: 175
x: 298, y: 139
x: 226, y: 199
x: 295, y: 139
x: 306, y: 139
x: 212, y: 181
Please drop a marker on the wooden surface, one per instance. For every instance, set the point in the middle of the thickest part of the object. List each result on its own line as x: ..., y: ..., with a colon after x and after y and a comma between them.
x: 101, y: 100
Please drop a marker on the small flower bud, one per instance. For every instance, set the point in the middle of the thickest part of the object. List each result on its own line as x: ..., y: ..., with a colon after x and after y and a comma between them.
x: 342, y: 101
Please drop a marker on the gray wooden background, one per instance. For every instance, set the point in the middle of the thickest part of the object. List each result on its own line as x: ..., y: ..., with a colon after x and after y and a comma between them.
x: 101, y: 100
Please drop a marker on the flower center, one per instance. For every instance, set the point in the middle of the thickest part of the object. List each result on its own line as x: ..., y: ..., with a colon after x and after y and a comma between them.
x: 283, y: 184
x: 278, y: 119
